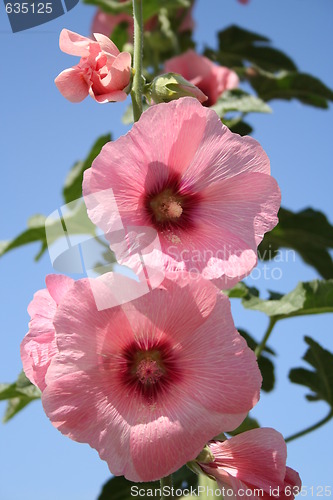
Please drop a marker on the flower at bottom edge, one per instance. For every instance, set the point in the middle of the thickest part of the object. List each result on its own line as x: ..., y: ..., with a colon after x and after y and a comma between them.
x: 148, y: 383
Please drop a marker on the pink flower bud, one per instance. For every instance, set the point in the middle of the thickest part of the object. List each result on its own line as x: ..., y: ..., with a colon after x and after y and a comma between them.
x: 103, y: 71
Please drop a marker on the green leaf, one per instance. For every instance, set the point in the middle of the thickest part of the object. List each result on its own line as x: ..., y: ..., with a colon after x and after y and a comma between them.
x: 76, y: 220
x: 19, y: 394
x: 314, y: 297
x: 119, y: 488
x: 238, y: 126
x: 308, y: 232
x: 238, y: 46
x: 319, y: 380
x: 248, y: 424
x: 291, y: 85
x: 265, y: 364
x: 241, y: 290
x: 29, y: 236
x: 73, y: 183
x: 238, y: 100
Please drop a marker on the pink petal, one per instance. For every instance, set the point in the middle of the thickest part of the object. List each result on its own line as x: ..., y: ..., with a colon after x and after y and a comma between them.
x: 256, y: 457
x: 72, y: 84
x: 106, y: 44
x: 74, y: 44
x: 121, y: 71
x: 58, y: 285
x: 114, y: 96
x: 228, y: 364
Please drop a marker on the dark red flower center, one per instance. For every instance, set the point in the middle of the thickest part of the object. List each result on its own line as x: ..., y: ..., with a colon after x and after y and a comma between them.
x: 171, y: 205
x: 149, y: 371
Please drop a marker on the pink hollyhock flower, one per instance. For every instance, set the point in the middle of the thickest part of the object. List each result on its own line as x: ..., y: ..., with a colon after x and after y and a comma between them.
x: 148, y: 383
x: 103, y: 71
x: 210, y: 78
x: 39, y: 346
x: 253, y: 460
x: 106, y: 23
x: 206, y: 191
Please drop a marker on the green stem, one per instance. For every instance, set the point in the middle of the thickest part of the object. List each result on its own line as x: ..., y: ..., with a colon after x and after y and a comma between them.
x: 166, y: 481
x: 310, y: 429
x: 210, y: 487
x: 137, y: 86
x: 262, y: 344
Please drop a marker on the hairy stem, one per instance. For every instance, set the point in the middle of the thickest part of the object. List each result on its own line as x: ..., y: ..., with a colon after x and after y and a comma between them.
x: 262, y: 344
x: 137, y: 86
x: 166, y: 481
x: 310, y: 429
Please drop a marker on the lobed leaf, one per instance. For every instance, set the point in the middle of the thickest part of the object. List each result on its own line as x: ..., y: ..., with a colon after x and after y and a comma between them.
x: 314, y: 297
x: 291, y: 85
x: 308, y: 232
x: 19, y: 394
x: 319, y: 380
x: 238, y: 46
x: 238, y: 100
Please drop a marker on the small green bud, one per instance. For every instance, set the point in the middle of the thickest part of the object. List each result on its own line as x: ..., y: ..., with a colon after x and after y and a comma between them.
x: 170, y: 86
x: 205, y: 456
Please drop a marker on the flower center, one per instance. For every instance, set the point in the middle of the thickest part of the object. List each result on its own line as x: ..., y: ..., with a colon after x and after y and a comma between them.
x: 166, y: 206
x: 148, y: 367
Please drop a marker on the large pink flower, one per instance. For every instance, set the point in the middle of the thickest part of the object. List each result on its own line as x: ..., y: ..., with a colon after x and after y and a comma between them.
x: 210, y: 78
x: 38, y: 346
x: 149, y: 382
x: 254, y: 460
x: 103, y: 71
x: 206, y: 191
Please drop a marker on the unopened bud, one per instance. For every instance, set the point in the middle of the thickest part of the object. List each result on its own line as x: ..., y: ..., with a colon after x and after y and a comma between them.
x: 170, y: 86
x: 205, y: 456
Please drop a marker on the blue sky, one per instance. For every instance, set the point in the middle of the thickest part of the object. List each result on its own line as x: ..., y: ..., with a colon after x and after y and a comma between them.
x: 43, y: 135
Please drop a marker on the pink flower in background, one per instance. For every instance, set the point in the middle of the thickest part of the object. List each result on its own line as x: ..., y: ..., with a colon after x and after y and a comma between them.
x: 103, y: 71
x: 206, y: 191
x: 106, y: 23
x: 38, y: 346
x: 254, y: 460
x: 210, y: 78
x: 243, y: 1
x: 147, y: 384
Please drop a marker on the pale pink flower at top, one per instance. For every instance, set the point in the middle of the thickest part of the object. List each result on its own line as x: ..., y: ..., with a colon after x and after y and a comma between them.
x: 148, y: 383
x: 243, y: 1
x: 106, y: 23
x: 254, y: 460
x: 103, y: 72
x: 38, y: 346
x: 207, y: 191
x: 210, y: 78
